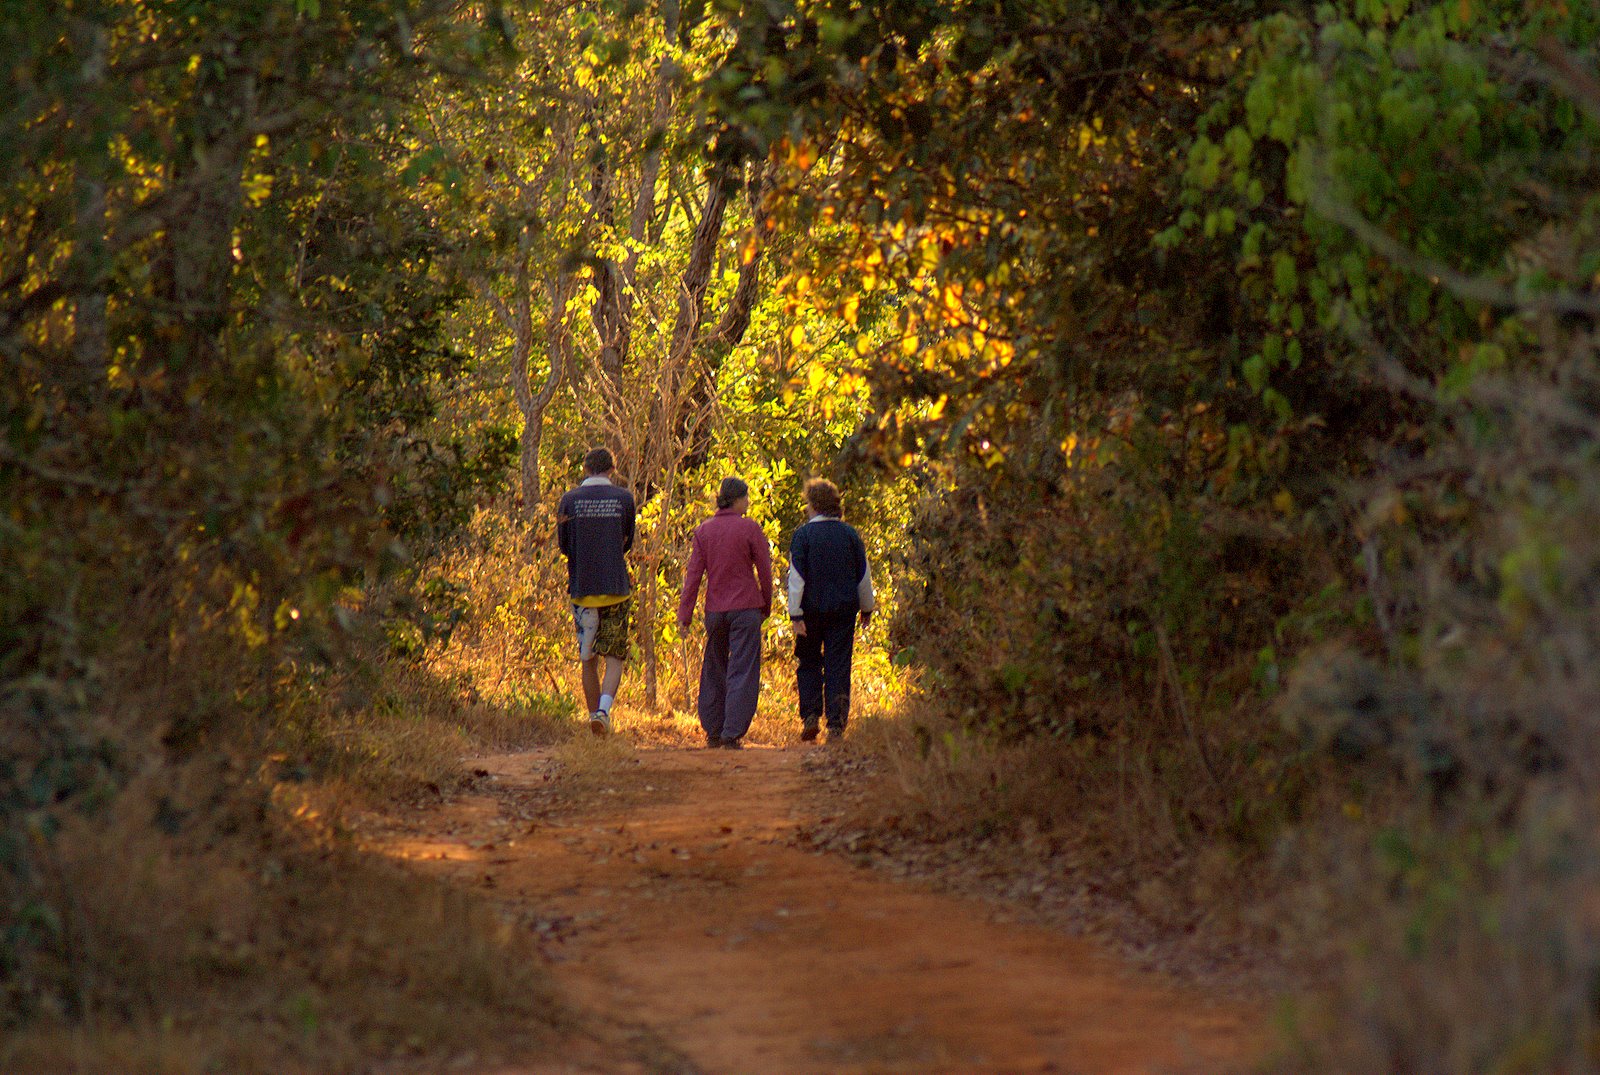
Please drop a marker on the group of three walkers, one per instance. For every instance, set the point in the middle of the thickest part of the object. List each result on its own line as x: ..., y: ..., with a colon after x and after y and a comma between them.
x: 829, y: 588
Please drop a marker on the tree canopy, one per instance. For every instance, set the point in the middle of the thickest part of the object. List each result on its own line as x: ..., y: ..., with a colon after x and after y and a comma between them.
x: 1217, y: 384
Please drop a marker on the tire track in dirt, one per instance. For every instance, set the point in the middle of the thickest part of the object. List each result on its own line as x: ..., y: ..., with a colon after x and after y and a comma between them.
x: 672, y: 897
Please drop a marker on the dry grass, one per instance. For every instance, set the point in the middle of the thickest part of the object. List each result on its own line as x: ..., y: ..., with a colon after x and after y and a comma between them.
x: 1050, y: 821
x: 390, y: 725
x: 216, y: 917
x: 255, y: 940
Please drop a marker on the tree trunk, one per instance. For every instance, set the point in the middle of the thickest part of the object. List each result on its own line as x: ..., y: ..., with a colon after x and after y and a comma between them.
x: 651, y: 666
x: 91, y: 342
x: 693, y: 428
x: 517, y: 316
x: 528, y: 448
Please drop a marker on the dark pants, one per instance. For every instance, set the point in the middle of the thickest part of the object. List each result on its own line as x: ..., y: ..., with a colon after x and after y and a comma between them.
x: 823, y: 676
x: 730, y: 674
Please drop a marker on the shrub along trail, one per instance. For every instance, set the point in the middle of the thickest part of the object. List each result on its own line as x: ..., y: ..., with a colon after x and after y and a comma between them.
x: 679, y: 909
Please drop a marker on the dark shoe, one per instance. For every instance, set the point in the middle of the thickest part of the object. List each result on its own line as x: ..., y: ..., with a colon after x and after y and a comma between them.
x: 808, y: 733
x: 713, y: 741
x: 732, y: 744
x: 835, y: 735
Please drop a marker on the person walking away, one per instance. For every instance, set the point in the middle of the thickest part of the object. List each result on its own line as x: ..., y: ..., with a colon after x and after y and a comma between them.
x: 731, y: 554
x: 830, y: 584
x: 594, y: 526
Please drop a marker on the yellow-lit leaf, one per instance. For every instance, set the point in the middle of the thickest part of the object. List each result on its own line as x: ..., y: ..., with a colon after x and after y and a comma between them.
x: 257, y: 188
x: 802, y: 155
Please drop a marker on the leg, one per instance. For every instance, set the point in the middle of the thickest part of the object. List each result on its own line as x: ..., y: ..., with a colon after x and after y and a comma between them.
x: 714, y: 675
x: 586, y: 624
x: 591, y: 684
x: 610, y: 642
x: 808, y: 672
x: 744, y: 672
x: 613, y: 677
x: 839, y: 638
x: 600, y: 716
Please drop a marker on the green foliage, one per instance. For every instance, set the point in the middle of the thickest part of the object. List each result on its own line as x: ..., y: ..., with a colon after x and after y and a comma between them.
x: 221, y: 340
x: 1383, y: 129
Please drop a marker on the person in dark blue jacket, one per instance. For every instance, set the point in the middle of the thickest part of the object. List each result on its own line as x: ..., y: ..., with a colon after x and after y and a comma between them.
x: 830, y: 585
x: 594, y: 526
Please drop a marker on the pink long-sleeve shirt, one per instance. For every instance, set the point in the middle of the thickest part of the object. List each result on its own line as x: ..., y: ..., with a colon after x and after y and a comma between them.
x: 732, y: 554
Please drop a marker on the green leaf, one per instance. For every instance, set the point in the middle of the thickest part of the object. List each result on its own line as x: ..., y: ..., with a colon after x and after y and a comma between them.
x: 1255, y: 371
x: 1285, y: 277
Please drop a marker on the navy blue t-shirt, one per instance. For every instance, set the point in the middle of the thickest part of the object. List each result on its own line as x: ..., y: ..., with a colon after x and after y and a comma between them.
x: 594, y: 526
x: 828, y: 569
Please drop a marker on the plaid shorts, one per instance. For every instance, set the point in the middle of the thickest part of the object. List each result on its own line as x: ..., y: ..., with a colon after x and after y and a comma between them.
x: 603, y: 632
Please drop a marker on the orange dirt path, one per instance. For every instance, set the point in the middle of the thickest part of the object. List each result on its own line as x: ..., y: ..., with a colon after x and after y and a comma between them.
x: 672, y: 898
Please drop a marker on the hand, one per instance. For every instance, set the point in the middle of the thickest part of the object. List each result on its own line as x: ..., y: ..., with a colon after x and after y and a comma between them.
x: 766, y: 612
x: 866, y: 618
x: 799, y: 628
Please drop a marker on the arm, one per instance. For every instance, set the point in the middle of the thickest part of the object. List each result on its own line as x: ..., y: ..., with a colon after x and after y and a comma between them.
x: 691, y: 583
x: 797, y: 578
x: 627, y: 523
x: 564, y: 529
x: 761, y: 554
x: 864, y: 594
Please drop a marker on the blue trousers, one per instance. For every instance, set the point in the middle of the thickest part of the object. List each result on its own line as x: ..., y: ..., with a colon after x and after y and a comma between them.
x: 730, y: 673
x: 822, y: 674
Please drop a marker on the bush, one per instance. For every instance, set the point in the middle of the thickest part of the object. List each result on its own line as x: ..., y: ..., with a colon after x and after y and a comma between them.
x: 1456, y: 896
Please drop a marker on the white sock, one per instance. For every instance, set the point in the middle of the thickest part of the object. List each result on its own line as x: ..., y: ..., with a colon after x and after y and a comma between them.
x: 606, y: 702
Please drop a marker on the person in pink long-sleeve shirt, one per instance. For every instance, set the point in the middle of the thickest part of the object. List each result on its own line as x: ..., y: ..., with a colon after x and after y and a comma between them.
x: 731, y: 554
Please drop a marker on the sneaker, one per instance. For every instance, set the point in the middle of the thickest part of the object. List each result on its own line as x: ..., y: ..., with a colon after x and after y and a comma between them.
x: 732, y: 744
x: 713, y: 741
x: 808, y: 733
x: 600, y: 722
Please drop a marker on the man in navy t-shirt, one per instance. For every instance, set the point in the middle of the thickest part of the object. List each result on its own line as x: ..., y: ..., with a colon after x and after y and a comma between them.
x: 594, y: 526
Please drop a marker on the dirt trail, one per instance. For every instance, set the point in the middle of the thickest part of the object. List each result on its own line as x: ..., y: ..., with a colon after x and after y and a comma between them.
x: 673, y: 899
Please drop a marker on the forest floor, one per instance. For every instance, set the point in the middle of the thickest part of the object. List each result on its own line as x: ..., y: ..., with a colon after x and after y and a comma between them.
x: 696, y: 928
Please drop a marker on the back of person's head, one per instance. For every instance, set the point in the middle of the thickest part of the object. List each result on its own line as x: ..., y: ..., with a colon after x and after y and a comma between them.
x: 823, y: 496
x: 598, y: 461
x: 730, y: 492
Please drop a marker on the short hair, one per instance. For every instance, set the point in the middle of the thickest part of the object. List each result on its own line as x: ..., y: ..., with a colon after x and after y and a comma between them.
x: 599, y: 461
x: 732, y: 489
x: 823, y: 496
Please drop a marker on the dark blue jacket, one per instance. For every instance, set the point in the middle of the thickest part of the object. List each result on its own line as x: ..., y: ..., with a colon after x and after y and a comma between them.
x: 828, y: 569
x: 595, y: 527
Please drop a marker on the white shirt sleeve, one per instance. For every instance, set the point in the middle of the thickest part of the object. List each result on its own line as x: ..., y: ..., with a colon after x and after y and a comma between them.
x: 797, y: 591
